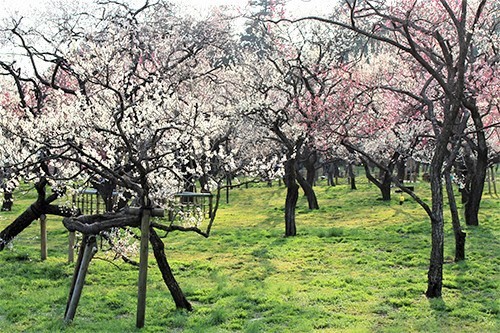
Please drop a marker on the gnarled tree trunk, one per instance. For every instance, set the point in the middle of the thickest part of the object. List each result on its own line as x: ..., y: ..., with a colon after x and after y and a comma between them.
x: 435, y: 273
x: 312, y: 200
x: 477, y: 170
x: 32, y: 213
x: 180, y: 300
x: 455, y: 220
x: 385, y: 182
x: 352, y: 176
x: 310, y: 165
x: 292, y: 195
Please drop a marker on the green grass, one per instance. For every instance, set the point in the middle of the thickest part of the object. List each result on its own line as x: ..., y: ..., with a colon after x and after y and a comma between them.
x: 356, y: 265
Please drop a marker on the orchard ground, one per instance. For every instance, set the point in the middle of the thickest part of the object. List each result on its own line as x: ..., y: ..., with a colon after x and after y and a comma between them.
x: 357, y: 265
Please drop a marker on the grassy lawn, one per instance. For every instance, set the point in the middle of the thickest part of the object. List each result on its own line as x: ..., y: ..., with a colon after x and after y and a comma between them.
x: 356, y: 265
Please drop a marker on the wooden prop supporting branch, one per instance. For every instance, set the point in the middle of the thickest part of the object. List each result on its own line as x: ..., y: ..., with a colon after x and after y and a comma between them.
x: 71, y: 246
x: 75, y: 272
x: 143, y: 255
x: 43, y: 237
x: 89, y: 249
x: 143, y: 269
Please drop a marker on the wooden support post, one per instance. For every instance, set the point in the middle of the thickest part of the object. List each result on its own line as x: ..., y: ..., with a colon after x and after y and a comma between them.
x: 43, y: 237
x: 71, y: 247
x: 88, y: 252
x: 78, y: 264
x: 143, y: 256
x: 143, y: 269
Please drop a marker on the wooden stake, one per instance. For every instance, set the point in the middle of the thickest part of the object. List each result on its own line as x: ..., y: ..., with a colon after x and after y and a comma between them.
x: 89, y: 251
x: 75, y: 272
x: 143, y: 268
x: 71, y: 246
x: 43, y: 237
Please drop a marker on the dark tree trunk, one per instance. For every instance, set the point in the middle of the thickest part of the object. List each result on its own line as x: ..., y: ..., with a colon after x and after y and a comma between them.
x: 204, y: 184
x: 312, y: 200
x: 435, y: 273
x: 475, y: 193
x: 455, y: 220
x: 336, y: 172
x: 385, y: 176
x: 23, y: 221
x: 330, y: 179
x: 105, y: 189
x: 7, y: 201
x: 465, y: 195
x: 180, y: 300
x: 32, y: 213
x: 352, y: 182
x: 472, y: 193
x: 292, y: 195
x: 384, y: 185
x: 352, y: 176
x: 478, y: 175
x: 417, y: 171
x: 401, y: 167
x: 310, y: 165
x: 229, y: 183
x: 331, y: 170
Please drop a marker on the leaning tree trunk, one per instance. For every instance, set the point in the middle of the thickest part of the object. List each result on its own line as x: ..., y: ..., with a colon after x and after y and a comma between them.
x: 32, y: 213
x: 312, y: 200
x: 292, y: 195
x: 481, y: 165
x: 455, y: 220
x: 384, y: 186
x: 180, y: 300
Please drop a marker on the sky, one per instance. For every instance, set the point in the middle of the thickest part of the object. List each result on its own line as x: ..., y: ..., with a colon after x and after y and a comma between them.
x: 297, y: 7
x: 30, y: 8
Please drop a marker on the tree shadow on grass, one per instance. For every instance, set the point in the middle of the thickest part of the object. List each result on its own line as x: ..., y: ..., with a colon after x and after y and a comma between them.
x: 438, y: 306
